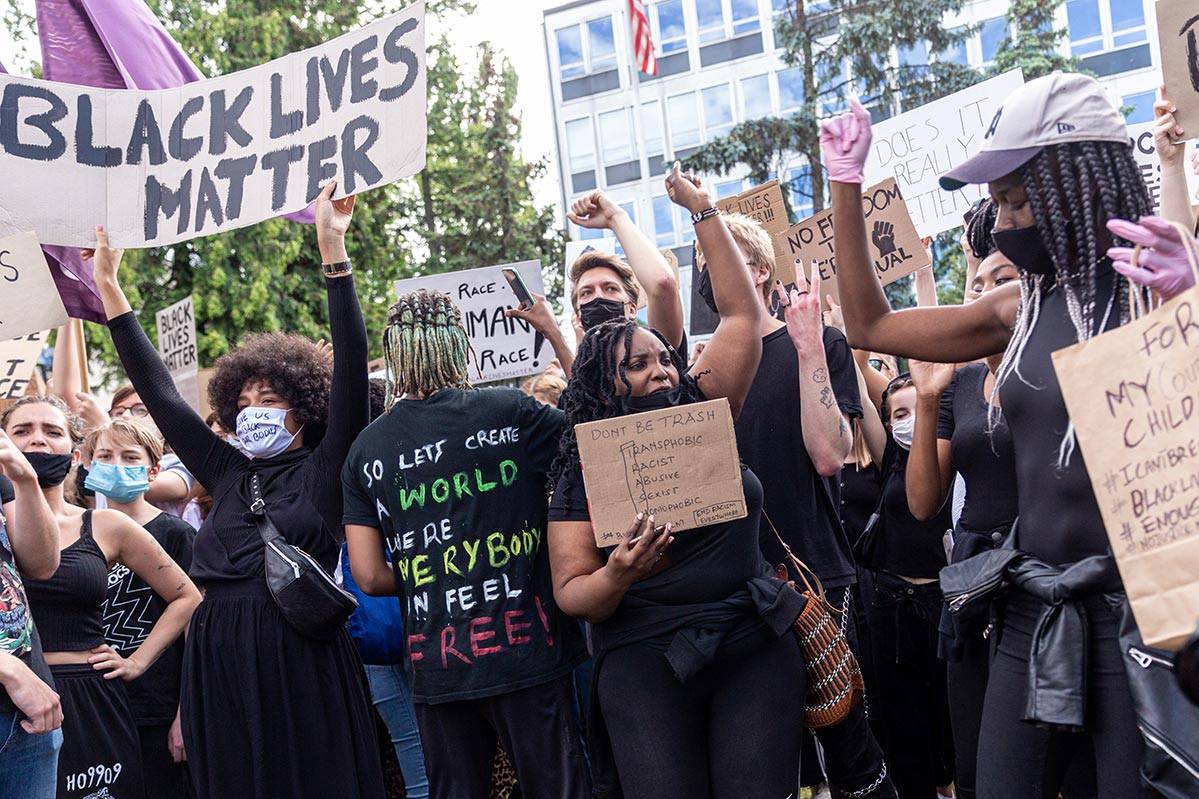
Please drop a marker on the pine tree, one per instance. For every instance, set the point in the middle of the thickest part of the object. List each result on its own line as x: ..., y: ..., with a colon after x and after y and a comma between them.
x: 1035, y: 46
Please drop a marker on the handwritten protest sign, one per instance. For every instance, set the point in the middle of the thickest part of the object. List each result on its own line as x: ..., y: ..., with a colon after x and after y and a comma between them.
x: 503, y: 347
x: 177, y: 345
x: 895, y: 246
x: 18, y: 362
x: 1151, y: 168
x: 1178, y: 37
x: 678, y: 464
x: 29, y: 302
x: 1131, y: 394
x: 918, y: 147
x: 157, y: 167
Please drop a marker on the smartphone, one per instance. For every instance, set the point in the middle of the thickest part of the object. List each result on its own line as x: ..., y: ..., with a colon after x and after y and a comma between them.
x: 518, y: 287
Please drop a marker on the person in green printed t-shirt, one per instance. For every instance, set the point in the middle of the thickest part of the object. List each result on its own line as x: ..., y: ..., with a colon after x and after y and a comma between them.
x: 451, y: 481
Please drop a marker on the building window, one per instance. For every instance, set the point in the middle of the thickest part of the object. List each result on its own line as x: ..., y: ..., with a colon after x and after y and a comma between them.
x: 671, y: 26
x: 684, y: 121
x: 799, y: 181
x: 709, y: 15
x: 586, y: 48
x: 718, y: 110
x: 755, y: 97
x: 580, y: 145
x: 586, y: 233
x: 745, y: 16
x: 781, y: 6
x: 728, y: 188
x: 664, y: 221
x: 790, y: 89
x: 994, y: 32
x: 955, y: 53
x: 1100, y: 25
x: 721, y: 19
x: 832, y: 80
x: 1142, y: 107
x: 686, y: 228
x: 651, y: 128
x: 616, y: 137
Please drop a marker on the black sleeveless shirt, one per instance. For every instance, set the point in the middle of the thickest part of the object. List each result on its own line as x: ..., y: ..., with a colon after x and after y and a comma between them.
x: 68, y: 608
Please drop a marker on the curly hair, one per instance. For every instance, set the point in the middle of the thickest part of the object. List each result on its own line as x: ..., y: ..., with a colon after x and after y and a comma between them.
x: 291, y: 365
x: 591, y: 392
x: 979, y: 227
x: 425, y: 347
x: 75, y: 426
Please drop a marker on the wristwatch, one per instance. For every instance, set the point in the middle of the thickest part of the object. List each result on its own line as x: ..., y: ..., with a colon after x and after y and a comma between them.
x: 339, y: 269
x: 704, y: 214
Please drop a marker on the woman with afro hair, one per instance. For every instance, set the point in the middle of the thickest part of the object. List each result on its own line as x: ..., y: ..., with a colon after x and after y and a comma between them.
x: 267, y: 711
x: 1059, y: 166
x: 698, y: 683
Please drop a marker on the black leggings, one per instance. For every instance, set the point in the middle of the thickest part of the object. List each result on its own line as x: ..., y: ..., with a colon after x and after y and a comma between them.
x: 1016, y: 758
x: 729, y: 732
x: 967, y: 680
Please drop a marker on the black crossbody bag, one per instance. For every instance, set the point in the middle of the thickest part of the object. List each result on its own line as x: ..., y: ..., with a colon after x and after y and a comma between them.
x: 305, y: 594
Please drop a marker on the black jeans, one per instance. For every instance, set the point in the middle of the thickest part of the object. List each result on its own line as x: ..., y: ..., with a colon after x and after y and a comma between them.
x: 538, y: 728
x: 731, y: 731
x: 1016, y: 758
x: 912, y: 693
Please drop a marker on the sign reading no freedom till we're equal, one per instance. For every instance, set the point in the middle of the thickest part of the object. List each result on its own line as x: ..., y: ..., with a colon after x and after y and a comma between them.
x: 158, y: 167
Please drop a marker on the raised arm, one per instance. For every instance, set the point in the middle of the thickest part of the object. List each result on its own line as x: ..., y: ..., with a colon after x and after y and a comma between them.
x: 727, y: 366
x: 69, y: 375
x: 34, y: 539
x: 1169, y: 139
x: 953, y: 334
x: 657, y: 279
x: 541, y: 317
x: 930, y: 464
x: 206, y: 456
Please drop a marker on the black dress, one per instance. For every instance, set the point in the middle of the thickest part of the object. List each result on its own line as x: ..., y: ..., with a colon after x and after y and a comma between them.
x: 267, y: 712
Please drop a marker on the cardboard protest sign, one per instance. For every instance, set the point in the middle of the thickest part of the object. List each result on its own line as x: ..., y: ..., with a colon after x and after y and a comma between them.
x: 764, y: 203
x: 1131, y: 394
x: 918, y: 147
x: 503, y: 347
x: 163, y: 166
x: 177, y: 345
x: 18, y: 363
x: 895, y: 246
x: 29, y: 302
x: 678, y: 464
x: 1178, y: 37
x: 1151, y: 168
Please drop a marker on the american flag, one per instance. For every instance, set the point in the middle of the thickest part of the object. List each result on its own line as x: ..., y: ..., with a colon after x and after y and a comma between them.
x: 643, y: 42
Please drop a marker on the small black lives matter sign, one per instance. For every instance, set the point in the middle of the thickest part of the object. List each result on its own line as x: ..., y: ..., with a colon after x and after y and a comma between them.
x: 679, y: 465
x: 177, y: 345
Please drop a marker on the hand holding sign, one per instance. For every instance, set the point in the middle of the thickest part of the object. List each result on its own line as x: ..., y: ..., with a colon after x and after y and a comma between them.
x: 333, y: 219
x: 687, y: 190
x: 845, y: 144
x: 635, y: 557
x: 1167, y: 133
x: 1164, y: 267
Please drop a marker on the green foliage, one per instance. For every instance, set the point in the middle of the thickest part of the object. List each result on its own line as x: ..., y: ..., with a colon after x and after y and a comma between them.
x: 1034, y: 48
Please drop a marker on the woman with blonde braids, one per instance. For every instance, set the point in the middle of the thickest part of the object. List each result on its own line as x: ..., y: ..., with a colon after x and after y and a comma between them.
x: 451, y: 481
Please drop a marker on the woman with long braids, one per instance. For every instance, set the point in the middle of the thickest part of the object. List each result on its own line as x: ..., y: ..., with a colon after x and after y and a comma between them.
x: 267, y: 711
x: 1059, y: 165
x: 451, y: 481
x: 698, y: 684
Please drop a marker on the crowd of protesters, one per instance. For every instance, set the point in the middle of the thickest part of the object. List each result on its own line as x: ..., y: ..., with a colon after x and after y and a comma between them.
x: 175, y: 612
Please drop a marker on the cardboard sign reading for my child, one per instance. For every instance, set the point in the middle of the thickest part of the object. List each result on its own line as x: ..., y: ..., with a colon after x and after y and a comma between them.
x: 1132, y: 396
x: 894, y: 244
x: 1178, y: 36
x: 679, y: 465
x: 29, y: 302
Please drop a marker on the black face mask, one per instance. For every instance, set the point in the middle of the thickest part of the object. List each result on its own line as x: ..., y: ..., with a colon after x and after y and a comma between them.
x: 81, y: 481
x: 51, y: 469
x: 600, y: 310
x: 658, y: 401
x: 705, y: 290
x: 1025, y: 248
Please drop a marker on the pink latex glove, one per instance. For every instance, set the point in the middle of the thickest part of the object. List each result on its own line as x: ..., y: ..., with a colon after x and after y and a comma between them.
x: 1162, y: 264
x: 845, y: 143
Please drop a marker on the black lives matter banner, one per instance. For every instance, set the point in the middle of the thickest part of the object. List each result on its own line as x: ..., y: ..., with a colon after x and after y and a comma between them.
x: 159, y: 167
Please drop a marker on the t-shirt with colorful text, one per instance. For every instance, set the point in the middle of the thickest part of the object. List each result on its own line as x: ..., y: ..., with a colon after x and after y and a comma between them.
x: 457, y: 484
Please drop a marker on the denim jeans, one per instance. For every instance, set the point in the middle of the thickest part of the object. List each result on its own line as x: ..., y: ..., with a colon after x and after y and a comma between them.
x: 393, y: 700
x: 28, y: 763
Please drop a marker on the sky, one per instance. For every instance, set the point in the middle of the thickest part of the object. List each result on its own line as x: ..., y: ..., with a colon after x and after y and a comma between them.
x: 514, y: 26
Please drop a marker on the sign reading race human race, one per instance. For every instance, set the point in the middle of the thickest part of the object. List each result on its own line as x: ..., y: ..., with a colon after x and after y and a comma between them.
x: 503, y: 347
x: 164, y: 166
x: 1178, y: 37
x: 29, y: 302
x: 1133, y: 396
x: 18, y: 362
x: 679, y: 465
x: 895, y: 246
x: 177, y: 345
x: 918, y: 147
x: 1151, y: 167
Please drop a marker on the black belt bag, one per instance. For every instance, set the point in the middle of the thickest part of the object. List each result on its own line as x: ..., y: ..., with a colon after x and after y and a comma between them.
x: 305, y: 594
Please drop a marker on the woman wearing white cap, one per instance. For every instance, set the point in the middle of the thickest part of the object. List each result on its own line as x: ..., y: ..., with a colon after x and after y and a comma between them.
x: 1059, y: 165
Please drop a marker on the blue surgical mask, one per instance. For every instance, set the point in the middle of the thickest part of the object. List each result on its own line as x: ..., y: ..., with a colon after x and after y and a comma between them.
x: 262, y: 433
x: 118, y: 483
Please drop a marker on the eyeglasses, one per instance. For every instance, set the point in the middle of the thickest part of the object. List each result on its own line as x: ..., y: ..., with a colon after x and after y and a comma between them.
x: 139, y: 410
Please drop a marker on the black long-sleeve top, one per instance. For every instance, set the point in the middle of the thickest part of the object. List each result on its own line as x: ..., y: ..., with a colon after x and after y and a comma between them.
x: 302, y: 488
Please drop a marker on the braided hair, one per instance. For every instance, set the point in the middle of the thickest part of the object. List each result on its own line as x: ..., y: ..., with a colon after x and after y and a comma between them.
x: 1073, y: 189
x: 980, y: 226
x: 425, y: 347
x: 591, y: 393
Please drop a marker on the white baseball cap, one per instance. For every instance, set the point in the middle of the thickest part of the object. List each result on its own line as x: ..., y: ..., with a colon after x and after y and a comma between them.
x: 1058, y: 108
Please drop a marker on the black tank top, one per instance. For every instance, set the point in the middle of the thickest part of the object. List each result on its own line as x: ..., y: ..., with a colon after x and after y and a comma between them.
x: 68, y: 608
